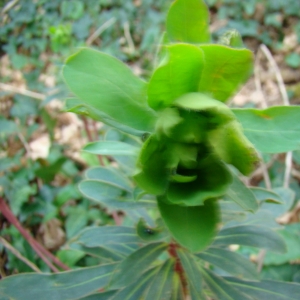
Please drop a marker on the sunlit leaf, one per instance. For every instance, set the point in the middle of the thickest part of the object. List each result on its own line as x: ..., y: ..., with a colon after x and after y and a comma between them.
x: 105, y: 83
x: 225, y: 70
x: 179, y: 75
x: 272, y: 130
x: 188, y: 21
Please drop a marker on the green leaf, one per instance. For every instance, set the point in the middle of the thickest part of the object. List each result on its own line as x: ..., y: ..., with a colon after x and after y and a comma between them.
x: 108, y: 236
x: 241, y: 195
x: 177, y: 293
x: 100, y: 296
x: 232, y: 38
x: 61, y: 286
x: 111, y: 196
x: 147, y: 233
x: 232, y: 146
x: 225, y: 70
x: 152, y: 171
x: 179, y: 75
x: 213, y: 180
x: 81, y: 108
x: 193, y: 274
x: 231, y: 262
x: 135, y: 264
x: 253, y: 236
x: 272, y: 130
x: 136, y: 290
x: 221, y: 289
x: 161, y: 285
x: 110, y: 175
x: 188, y: 21
x: 267, y: 289
x: 263, y: 195
x: 291, y: 236
x: 288, y: 197
x: 111, y: 148
x: 194, y: 227
x: 102, y: 82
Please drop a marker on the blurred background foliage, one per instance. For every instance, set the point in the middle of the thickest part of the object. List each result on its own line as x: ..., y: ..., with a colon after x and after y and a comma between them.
x: 40, y: 158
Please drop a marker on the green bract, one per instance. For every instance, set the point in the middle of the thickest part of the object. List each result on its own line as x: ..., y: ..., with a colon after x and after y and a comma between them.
x: 192, y: 135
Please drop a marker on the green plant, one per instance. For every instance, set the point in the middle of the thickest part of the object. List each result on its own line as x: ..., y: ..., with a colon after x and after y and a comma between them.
x: 185, y: 138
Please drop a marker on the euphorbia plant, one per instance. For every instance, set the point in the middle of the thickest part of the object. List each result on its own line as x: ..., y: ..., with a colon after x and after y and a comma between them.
x: 194, y: 147
x: 192, y: 133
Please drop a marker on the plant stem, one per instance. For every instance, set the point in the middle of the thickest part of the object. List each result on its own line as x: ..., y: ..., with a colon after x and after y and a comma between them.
x: 178, y: 268
x: 43, y: 253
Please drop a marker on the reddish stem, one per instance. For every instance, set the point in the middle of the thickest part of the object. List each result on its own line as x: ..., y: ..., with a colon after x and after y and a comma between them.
x: 38, y: 248
x: 178, y: 267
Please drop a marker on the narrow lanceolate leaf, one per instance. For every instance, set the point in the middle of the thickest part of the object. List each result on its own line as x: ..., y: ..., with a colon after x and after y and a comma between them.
x: 179, y: 75
x: 100, y: 296
x: 135, y: 290
x: 222, y: 289
x: 108, y: 236
x: 62, y: 286
x: 263, y: 195
x: 192, y: 273
x: 253, y: 236
x: 231, y: 262
x: 177, y: 292
x: 272, y: 130
x: 135, y: 264
x: 110, y: 195
x: 104, y: 83
x: 111, y: 148
x: 226, y: 69
x: 241, y: 195
x: 161, y: 285
x: 188, y: 21
x: 111, y: 175
x: 194, y: 227
x: 267, y: 289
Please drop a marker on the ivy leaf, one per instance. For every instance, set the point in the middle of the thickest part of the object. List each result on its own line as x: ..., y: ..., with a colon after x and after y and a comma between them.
x: 194, y: 227
x: 179, y: 75
x: 104, y: 83
x: 272, y: 130
x: 188, y: 21
x: 224, y: 71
